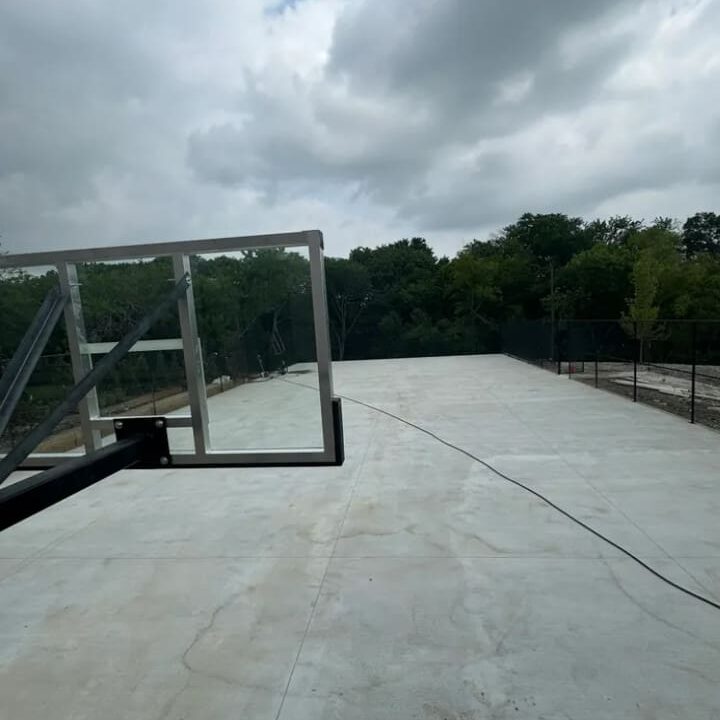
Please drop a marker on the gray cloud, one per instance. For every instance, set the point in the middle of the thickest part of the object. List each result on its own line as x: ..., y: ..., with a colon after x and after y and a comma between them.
x: 144, y: 121
x: 400, y: 88
x: 454, y: 51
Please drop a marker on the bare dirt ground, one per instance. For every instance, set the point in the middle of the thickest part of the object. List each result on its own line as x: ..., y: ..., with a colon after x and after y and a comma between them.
x: 667, y: 387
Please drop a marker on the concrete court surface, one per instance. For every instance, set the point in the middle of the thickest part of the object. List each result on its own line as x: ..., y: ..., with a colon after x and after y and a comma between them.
x: 409, y: 583
x: 266, y: 413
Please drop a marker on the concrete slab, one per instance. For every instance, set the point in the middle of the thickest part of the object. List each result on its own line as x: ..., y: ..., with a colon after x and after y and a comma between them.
x: 410, y: 477
x: 498, y: 638
x: 706, y: 572
x: 9, y: 566
x: 264, y: 413
x: 410, y: 583
x: 216, y: 513
x: 42, y: 531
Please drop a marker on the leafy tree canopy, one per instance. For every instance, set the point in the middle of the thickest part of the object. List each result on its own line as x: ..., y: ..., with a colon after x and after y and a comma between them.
x: 399, y: 298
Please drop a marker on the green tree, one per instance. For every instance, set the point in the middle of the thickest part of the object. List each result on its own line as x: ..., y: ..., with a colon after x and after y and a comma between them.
x: 701, y: 234
x: 473, y: 284
x: 613, y: 231
x: 115, y: 296
x: 595, y: 283
x: 475, y: 295
x: 697, y: 289
x: 640, y: 319
x: 551, y: 237
x: 655, y: 263
x: 400, y: 298
x: 250, y: 305
x: 405, y: 276
x: 533, y: 249
x: 390, y: 329
x: 348, y: 292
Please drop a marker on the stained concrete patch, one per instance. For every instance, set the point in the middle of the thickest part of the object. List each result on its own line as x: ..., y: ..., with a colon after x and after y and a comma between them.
x: 153, y: 638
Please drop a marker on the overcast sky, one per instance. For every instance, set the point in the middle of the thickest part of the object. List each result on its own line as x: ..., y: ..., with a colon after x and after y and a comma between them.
x: 141, y: 121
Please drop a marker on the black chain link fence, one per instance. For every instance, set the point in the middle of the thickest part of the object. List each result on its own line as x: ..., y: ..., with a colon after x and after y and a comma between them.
x: 154, y: 383
x: 138, y: 385
x: 673, y: 365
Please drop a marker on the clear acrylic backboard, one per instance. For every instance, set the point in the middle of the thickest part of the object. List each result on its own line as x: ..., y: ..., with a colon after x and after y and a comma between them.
x: 241, y: 369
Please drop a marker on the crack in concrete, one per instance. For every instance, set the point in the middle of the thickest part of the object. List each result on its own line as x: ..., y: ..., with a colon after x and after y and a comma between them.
x: 203, y: 631
x: 199, y: 635
x: 356, y: 482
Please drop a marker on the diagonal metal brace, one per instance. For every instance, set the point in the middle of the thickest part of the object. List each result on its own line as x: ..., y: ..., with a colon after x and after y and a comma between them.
x: 23, y: 362
x: 32, y: 439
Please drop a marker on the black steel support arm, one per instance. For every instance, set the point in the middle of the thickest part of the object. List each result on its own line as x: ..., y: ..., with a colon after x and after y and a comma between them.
x: 141, y: 442
x: 26, y: 497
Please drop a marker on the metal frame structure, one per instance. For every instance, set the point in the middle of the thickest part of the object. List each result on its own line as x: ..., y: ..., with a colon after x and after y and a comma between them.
x: 81, y: 351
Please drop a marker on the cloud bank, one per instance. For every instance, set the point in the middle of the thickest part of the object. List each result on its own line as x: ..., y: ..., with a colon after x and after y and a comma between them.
x: 370, y: 119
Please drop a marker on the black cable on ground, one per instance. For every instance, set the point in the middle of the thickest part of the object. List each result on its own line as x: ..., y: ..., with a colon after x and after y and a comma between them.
x: 542, y: 497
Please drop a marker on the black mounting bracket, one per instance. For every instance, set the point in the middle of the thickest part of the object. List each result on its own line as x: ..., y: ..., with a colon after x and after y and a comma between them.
x: 156, y: 449
x: 338, y: 427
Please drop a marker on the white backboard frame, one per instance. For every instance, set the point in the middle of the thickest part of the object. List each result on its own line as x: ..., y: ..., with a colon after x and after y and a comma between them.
x: 91, y: 421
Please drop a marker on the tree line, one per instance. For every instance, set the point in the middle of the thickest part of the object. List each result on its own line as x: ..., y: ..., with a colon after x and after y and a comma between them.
x: 399, y: 299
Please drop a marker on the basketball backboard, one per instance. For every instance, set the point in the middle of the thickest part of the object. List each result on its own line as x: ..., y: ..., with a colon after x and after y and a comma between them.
x: 241, y: 369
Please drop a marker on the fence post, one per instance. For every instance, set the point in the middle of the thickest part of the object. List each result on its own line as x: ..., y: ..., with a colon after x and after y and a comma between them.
x: 694, y: 364
x: 635, y: 361
x: 556, y: 340
x: 596, y: 367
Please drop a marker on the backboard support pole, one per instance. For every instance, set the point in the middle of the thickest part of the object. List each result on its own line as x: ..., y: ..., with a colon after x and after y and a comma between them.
x: 322, y: 337
x: 192, y: 353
